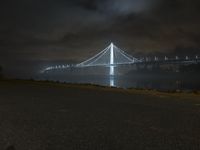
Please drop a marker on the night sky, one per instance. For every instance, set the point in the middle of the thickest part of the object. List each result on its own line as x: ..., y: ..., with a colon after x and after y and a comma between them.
x: 35, y: 33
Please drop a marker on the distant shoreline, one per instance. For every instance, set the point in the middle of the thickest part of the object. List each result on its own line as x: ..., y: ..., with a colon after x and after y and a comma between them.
x: 99, y: 87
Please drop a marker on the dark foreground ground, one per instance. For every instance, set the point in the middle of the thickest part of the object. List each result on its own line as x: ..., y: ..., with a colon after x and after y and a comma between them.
x: 46, y: 116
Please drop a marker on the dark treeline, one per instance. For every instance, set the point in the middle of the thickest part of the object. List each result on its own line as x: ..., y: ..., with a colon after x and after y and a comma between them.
x: 180, y: 68
x: 190, y: 68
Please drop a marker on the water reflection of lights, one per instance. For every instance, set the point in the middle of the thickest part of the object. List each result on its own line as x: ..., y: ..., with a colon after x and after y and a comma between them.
x: 112, y: 72
x: 112, y: 81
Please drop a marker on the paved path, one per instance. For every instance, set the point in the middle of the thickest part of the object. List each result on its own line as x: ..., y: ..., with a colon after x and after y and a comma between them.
x: 47, y: 117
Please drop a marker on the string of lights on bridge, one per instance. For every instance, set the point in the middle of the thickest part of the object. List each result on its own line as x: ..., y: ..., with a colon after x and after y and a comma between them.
x: 112, y: 56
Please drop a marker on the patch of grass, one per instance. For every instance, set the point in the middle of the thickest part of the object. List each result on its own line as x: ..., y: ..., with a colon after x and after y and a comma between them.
x: 196, y: 92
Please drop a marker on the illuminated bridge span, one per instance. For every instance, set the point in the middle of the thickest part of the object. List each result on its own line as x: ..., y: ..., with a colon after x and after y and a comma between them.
x: 110, y: 56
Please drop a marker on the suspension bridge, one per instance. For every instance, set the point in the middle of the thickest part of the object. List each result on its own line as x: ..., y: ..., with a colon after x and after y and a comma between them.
x: 112, y: 56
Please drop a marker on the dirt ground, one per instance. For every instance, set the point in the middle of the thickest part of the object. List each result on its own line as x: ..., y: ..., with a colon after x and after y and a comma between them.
x: 47, y: 116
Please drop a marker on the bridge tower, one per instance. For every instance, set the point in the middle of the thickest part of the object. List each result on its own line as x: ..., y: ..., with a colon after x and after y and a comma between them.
x: 112, y: 71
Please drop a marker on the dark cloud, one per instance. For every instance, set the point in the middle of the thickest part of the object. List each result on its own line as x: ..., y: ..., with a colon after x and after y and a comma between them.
x: 39, y: 30
x: 125, y: 7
